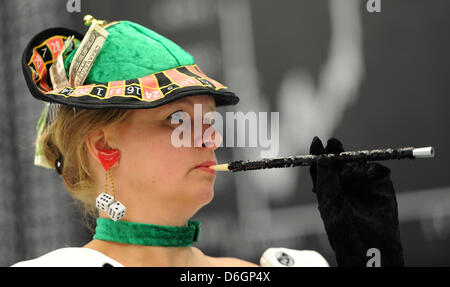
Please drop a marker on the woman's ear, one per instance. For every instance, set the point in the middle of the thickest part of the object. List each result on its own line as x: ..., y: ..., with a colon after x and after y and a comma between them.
x: 96, y: 141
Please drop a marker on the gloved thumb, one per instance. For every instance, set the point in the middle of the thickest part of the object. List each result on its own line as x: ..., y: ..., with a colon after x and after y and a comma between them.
x: 315, y: 149
x: 316, y: 146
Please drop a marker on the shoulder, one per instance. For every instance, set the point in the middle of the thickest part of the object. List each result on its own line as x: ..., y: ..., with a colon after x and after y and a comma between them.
x: 70, y: 257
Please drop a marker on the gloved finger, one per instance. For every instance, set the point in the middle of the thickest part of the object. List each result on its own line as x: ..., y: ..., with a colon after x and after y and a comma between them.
x: 380, y: 178
x: 328, y: 184
x: 334, y: 146
x: 369, y: 186
x: 316, y: 148
x: 377, y: 171
x: 363, y: 171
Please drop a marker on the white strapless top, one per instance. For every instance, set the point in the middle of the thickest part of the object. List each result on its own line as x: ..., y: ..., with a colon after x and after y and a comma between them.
x: 85, y: 257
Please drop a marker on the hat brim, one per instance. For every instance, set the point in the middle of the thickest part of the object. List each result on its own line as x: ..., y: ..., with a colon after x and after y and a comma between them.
x: 146, y: 92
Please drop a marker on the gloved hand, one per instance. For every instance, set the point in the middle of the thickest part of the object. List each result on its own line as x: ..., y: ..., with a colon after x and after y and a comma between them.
x: 358, y: 206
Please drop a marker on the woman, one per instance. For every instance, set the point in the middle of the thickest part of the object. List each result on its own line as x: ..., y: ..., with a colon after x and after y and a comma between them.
x: 115, y: 97
x: 127, y: 100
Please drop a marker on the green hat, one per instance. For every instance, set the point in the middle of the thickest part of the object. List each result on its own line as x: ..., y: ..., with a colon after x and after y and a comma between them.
x: 132, y: 67
x: 117, y: 65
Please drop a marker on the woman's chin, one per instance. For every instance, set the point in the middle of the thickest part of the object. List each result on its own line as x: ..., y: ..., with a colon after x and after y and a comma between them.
x: 204, y: 195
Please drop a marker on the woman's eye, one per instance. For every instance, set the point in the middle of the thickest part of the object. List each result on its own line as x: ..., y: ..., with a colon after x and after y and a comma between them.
x: 177, y: 117
x: 208, y: 119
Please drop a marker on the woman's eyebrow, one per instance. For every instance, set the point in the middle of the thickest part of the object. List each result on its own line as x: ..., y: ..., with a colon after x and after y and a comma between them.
x: 189, y: 102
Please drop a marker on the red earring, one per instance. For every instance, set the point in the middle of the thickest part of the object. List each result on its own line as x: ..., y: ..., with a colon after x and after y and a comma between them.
x: 104, y: 201
x: 108, y: 157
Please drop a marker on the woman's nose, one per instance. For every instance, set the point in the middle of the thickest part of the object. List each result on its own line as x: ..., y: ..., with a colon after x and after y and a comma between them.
x: 210, y: 138
x: 214, y: 141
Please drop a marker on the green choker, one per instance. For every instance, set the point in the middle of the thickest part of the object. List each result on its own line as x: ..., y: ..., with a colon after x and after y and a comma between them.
x: 147, y: 234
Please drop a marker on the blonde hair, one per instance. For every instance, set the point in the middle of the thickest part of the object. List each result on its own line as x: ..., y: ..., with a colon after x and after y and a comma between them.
x: 64, y: 140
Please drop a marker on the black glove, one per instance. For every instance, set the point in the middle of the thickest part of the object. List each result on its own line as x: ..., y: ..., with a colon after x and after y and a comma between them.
x: 358, y: 207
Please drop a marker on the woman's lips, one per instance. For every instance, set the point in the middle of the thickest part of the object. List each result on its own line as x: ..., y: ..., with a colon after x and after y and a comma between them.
x: 206, y: 169
x: 205, y: 166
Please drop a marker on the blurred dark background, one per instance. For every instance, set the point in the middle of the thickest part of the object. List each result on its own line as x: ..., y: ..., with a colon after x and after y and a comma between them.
x: 330, y: 68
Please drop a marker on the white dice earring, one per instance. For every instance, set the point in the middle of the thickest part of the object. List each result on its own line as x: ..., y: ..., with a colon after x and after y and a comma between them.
x: 105, y: 202
x: 116, y: 210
